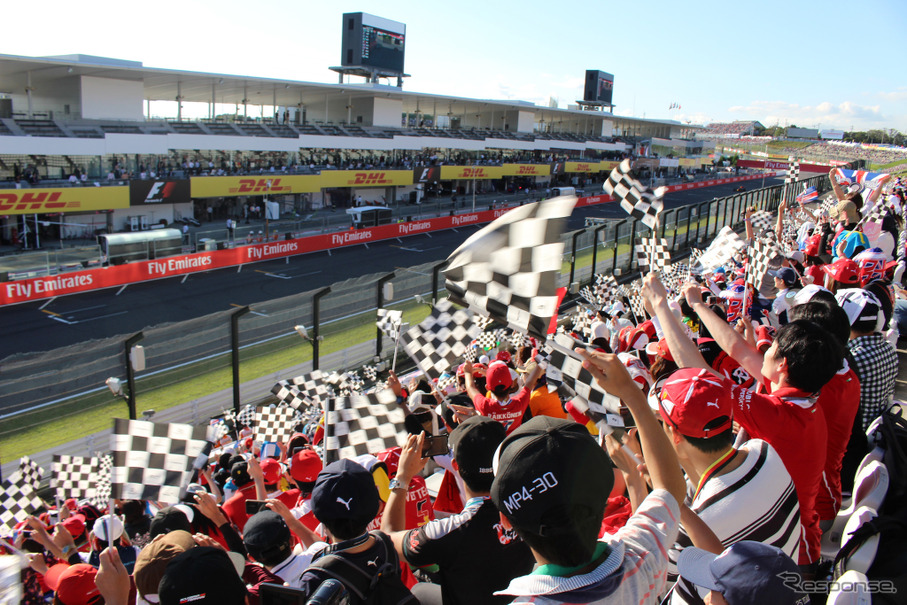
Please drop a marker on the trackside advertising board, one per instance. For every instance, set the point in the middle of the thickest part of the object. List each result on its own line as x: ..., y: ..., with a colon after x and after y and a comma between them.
x: 19, y: 291
x: 64, y: 199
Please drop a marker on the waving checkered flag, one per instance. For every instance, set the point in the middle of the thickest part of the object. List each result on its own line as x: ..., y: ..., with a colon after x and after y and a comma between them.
x: 636, y: 199
x: 354, y: 381
x: 762, y: 221
x: 154, y: 461
x: 876, y: 214
x: 722, y: 249
x: 275, y: 423
x: 438, y: 343
x: 482, y: 320
x: 761, y: 254
x: 509, y: 268
x: 566, y: 367
x: 518, y: 340
x: 370, y: 373
x: 389, y: 322
x: 675, y: 275
x: 652, y: 253
x: 104, y: 488
x: 303, y: 391
x: 582, y: 323
x: 363, y: 424
x: 487, y: 340
x: 793, y: 171
x: 30, y: 471
x: 74, y: 477
x: 246, y: 416
x: 470, y: 354
x: 588, y: 295
x: 637, y: 305
x: 18, y: 500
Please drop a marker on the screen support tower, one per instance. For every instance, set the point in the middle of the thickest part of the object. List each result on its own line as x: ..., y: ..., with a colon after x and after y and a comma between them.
x: 371, y: 74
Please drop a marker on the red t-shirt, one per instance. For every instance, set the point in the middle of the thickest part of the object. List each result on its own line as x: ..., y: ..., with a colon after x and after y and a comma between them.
x: 791, y: 422
x: 508, y: 412
x: 419, y: 510
x: 235, y: 507
x: 840, y: 401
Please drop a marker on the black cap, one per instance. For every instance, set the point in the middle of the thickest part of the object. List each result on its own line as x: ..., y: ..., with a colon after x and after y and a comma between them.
x: 267, y: 537
x: 474, y: 443
x: 345, y: 490
x: 201, y: 575
x: 239, y: 472
x: 546, y: 466
x: 167, y: 520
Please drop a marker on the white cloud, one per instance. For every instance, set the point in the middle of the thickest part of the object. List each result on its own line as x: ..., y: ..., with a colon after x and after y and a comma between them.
x: 844, y: 115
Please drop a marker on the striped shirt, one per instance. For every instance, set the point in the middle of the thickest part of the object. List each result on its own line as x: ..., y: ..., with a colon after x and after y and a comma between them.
x: 755, y: 501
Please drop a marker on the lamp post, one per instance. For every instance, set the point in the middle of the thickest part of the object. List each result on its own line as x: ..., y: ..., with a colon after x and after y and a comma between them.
x: 234, y: 350
x: 130, y: 372
x: 380, y: 302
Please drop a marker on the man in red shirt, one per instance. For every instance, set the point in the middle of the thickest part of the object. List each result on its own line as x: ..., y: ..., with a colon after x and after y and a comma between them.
x: 504, y: 406
x: 801, y: 360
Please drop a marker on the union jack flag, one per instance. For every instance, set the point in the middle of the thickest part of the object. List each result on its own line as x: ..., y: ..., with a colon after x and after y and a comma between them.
x: 862, y: 177
x: 808, y: 195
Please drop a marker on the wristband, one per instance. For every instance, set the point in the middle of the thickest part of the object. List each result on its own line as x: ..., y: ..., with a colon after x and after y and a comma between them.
x: 68, y: 549
x: 396, y: 484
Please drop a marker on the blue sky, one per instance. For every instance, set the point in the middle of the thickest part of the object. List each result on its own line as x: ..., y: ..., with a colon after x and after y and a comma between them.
x: 827, y: 65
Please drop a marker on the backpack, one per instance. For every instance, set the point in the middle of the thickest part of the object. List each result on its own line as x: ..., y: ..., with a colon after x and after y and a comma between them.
x: 366, y: 586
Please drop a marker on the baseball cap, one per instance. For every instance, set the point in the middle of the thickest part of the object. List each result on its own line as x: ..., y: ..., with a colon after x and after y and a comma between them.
x: 849, y: 208
x: 747, y: 572
x: 498, y: 375
x: 305, y: 466
x: 345, y: 490
x: 270, y: 449
x: 796, y: 256
x: 271, y: 470
x: 391, y: 458
x: 200, y: 575
x: 73, y: 584
x: 659, y: 348
x: 785, y: 274
x: 167, y: 520
x: 696, y: 403
x: 474, y: 443
x: 75, y: 525
x: 599, y: 329
x: 864, y: 311
x: 546, y: 467
x: 153, y: 560
x: 239, y: 472
x: 100, y: 528
x: 807, y: 292
x: 765, y: 335
x: 267, y: 537
x: 843, y: 270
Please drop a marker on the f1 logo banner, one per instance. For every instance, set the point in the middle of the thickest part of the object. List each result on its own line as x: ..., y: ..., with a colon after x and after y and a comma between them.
x: 159, y: 191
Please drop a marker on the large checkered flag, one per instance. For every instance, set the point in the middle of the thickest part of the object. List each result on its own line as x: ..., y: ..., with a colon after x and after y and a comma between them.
x: 153, y: 461
x: 363, y: 424
x: 389, y: 321
x: 566, y: 367
x: 438, y: 343
x: 652, y: 253
x: 303, y: 391
x: 18, y: 500
x: 635, y: 198
x: 275, y: 423
x: 509, y: 268
x: 74, y: 477
x: 30, y: 471
x: 722, y: 249
x: 762, y: 221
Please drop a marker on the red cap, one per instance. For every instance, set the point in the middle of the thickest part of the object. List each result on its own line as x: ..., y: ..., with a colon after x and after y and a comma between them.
x: 503, y: 356
x: 305, y: 466
x: 498, y: 375
x: 844, y: 271
x: 660, y: 348
x: 765, y: 335
x: 74, y: 584
x: 271, y: 470
x: 812, y: 245
x: 71, y: 504
x: 694, y: 402
x: 75, y: 525
x: 391, y: 458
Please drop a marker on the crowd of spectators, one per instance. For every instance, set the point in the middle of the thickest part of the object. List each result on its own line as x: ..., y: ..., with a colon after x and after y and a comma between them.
x: 741, y: 421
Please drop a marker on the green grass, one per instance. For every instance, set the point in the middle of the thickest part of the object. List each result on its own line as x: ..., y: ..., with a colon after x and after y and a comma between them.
x: 36, y: 431
x: 874, y: 167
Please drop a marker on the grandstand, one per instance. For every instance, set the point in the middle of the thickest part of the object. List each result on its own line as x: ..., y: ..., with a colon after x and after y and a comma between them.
x: 731, y: 130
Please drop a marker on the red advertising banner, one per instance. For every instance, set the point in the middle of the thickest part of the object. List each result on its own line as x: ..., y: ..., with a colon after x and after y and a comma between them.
x: 109, y: 277
x: 774, y: 165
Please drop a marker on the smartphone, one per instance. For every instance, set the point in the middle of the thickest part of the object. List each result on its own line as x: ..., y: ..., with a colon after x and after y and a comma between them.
x: 713, y: 300
x: 296, y: 450
x: 435, y: 446
x: 255, y: 506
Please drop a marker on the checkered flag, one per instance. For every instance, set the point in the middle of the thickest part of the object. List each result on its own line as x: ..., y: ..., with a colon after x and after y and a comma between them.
x: 793, y: 171
x: 876, y: 214
x: 74, y: 477
x: 487, y: 340
x: 246, y: 416
x: 104, y: 488
x: 589, y: 296
x: 636, y: 199
x: 638, y: 306
x: 652, y: 253
x: 355, y: 382
x: 520, y: 340
x: 509, y: 269
x: 761, y: 254
x: 153, y: 461
x: 482, y: 320
x: 275, y: 423
x: 722, y: 249
x: 762, y: 221
x: 470, y: 354
x: 363, y: 424
x: 370, y: 373
x: 30, y: 471
x: 675, y: 275
x: 389, y: 322
x: 303, y: 391
x: 18, y: 500
x: 582, y: 323
x: 566, y: 367
x: 828, y: 205
x: 438, y: 343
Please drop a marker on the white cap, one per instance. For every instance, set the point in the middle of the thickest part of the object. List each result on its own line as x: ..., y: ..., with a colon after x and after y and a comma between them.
x: 100, y: 527
x: 599, y: 329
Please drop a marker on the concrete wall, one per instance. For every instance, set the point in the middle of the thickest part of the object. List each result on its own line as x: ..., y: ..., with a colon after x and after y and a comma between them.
x: 106, y: 98
x: 387, y: 112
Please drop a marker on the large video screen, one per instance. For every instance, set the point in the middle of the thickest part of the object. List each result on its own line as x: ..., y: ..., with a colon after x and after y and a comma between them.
x: 599, y: 86
x: 381, y: 48
x: 373, y: 42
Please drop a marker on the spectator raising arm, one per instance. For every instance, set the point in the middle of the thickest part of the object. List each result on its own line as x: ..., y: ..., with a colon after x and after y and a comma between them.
x: 410, y: 464
x: 684, y: 351
x: 661, y: 460
x: 839, y: 191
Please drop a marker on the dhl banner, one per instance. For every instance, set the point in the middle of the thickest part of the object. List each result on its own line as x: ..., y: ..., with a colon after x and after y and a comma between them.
x: 19, y: 291
x: 452, y: 173
x: 68, y: 199
x: 582, y: 167
x: 366, y: 178
x: 526, y: 170
x: 689, y: 162
x: 231, y: 186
